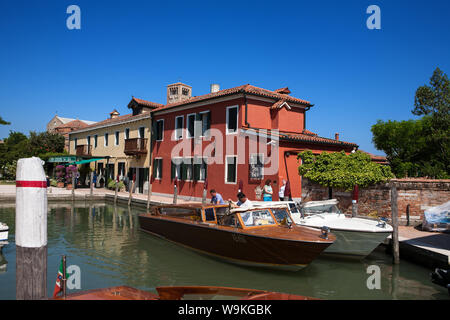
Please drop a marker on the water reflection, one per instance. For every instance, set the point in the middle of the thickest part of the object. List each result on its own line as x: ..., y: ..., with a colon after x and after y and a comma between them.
x: 106, y: 243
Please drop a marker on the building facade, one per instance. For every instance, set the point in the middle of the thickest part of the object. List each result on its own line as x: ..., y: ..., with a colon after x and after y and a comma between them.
x: 238, y: 128
x: 124, y: 140
x: 229, y: 140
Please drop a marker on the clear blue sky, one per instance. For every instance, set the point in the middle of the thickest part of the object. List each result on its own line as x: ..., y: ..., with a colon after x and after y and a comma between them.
x: 321, y: 50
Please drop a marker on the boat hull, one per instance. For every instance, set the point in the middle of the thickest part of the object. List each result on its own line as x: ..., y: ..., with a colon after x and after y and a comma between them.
x: 234, y: 246
x: 358, y: 244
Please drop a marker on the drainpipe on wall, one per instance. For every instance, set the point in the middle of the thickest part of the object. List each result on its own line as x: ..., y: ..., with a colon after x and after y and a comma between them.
x: 246, y: 107
x: 304, y: 115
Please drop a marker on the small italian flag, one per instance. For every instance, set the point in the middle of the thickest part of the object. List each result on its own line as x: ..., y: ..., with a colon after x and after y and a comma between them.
x: 58, y: 286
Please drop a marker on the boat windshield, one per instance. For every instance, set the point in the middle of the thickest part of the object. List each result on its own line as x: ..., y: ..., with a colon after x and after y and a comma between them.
x: 282, y: 216
x: 183, y: 213
x: 323, y: 208
x: 293, y: 208
x: 257, y: 218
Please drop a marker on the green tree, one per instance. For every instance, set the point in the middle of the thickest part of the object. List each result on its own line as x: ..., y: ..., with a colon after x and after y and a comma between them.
x: 3, y: 122
x: 45, y: 142
x: 434, y: 101
x: 420, y: 147
x: 339, y: 170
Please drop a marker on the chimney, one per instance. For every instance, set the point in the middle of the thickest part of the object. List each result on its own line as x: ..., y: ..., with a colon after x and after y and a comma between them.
x: 336, y: 136
x: 178, y: 92
x: 215, y: 88
x: 114, y: 114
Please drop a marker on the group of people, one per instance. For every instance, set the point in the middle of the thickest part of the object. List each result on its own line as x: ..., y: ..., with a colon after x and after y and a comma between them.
x: 244, y: 202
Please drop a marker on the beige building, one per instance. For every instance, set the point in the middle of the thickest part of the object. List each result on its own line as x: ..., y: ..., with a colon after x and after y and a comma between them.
x: 125, y: 140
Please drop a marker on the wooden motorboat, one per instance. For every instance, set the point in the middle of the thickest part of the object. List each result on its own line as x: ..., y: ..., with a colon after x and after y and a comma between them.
x: 180, y: 293
x: 253, y: 237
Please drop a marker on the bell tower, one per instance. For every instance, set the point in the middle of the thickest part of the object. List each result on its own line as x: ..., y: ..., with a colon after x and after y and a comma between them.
x: 178, y: 92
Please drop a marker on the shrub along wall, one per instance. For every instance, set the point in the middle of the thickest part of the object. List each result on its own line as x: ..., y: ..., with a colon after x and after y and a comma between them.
x: 418, y: 194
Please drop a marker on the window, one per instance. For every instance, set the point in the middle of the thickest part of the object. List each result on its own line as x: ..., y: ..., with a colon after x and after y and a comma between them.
x: 176, y: 168
x: 106, y: 139
x: 142, y: 132
x: 209, y: 214
x: 116, y: 138
x: 88, y: 140
x: 75, y: 141
x: 230, y: 169
x: 190, y: 125
x: 173, y: 91
x: 282, y: 216
x: 121, y: 169
x: 257, y: 218
x: 232, y: 119
x: 185, y: 91
x: 186, y: 169
x: 200, y: 169
x: 157, y: 168
x: 95, y: 141
x: 159, y: 130
x: 256, y: 166
x: 205, y: 118
x: 127, y: 133
x: 179, y: 127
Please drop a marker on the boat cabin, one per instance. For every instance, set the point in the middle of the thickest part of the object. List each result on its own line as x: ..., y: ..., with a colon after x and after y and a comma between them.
x: 224, y: 215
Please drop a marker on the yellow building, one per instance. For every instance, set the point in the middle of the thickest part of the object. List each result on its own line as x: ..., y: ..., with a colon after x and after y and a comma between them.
x: 124, y: 140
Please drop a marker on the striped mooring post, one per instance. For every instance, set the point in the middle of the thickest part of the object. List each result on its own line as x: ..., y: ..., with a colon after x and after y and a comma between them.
x: 31, y: 230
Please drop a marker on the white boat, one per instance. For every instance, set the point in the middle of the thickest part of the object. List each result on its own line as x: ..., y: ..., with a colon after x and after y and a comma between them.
x: 4, y: 229
x: 355, y: 237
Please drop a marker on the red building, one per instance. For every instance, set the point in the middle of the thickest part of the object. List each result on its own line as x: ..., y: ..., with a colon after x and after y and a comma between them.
x: 225, y: 126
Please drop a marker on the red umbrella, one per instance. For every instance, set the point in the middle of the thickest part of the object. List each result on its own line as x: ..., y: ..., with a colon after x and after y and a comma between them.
x: 241, y: 186
x: 287, y: 190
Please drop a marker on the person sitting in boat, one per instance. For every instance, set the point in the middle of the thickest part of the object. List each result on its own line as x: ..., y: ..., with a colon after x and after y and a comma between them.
x: 243, y: 201
x: 216, y: 197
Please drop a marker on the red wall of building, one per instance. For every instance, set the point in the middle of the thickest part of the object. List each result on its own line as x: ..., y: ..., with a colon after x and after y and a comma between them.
x: 259, y: 115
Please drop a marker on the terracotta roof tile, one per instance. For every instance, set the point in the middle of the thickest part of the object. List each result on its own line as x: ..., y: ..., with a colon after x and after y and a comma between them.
x: 247, y: 88
x: 147, y: 103
x: 118, y: 119
x: 302, y: 137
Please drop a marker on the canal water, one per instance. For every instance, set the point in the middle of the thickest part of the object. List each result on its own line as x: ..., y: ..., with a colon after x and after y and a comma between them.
x: 107, y: 245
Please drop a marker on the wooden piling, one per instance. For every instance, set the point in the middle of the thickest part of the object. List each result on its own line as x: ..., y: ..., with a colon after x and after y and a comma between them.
x: 31, y: 230
x: 175, y: 193
x: 394, y: 217
x: 92, y: 183
x: 115, y: 193
x: 73, y: 186
x: 131, y: 193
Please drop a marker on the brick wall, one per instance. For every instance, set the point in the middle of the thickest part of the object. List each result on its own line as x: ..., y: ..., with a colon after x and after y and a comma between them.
x: 419, y: 194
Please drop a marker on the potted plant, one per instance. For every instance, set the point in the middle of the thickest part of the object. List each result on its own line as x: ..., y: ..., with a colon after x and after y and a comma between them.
x: 60, y: 176
x: 71, y: 171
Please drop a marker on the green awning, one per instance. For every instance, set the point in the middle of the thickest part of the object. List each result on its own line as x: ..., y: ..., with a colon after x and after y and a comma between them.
x: 63, y: 159
x: 87, y: 161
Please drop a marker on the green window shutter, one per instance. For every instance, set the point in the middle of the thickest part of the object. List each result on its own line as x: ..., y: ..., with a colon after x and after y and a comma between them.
x: 198, y: 126
x: 173, y: 170
x: 208, y: 122
x: 154, y: 168
x: 161, y: 167
x: 183, y: 171
x: 197, y: 172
